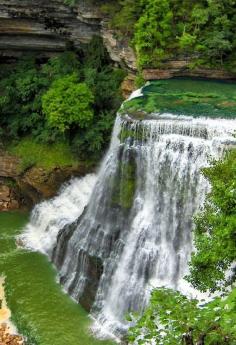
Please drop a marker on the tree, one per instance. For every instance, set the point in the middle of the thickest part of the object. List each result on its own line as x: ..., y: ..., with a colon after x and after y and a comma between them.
x: 153, y: 32
x: 67, y: 103
x: 215, y: 232
x: 173, y: 319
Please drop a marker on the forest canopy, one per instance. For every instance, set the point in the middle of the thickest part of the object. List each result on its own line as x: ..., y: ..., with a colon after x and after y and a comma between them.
x: 158, y: 30
x: 71, y: 99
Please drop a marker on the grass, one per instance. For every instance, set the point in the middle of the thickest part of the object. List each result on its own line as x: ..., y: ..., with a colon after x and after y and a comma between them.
x: 42, y: 155
x: 186, y: 97
x: 41, y: 310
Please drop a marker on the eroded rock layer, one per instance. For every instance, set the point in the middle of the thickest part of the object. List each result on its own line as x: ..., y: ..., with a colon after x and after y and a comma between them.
x: 43, y: 26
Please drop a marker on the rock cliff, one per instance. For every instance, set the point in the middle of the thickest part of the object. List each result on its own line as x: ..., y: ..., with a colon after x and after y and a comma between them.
x: 25, y: 188
x: 43, y: 26
x: 49, y: 26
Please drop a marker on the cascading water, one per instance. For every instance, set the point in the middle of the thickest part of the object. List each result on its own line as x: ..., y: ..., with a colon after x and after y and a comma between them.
x: 50, y: 216
x: 136, y: 230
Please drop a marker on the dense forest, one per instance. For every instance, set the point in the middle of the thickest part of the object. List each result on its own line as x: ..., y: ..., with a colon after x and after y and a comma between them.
x: 34, y: 110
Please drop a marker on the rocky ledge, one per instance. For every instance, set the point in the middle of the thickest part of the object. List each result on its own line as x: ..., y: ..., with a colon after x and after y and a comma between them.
x: 50, y: 27
x: 25, y: 188
x: 43, y: 26
x: 182, y: 68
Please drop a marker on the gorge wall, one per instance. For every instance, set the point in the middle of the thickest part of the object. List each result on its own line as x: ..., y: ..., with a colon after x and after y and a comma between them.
x: 24, y: 188
x: 50, y: 27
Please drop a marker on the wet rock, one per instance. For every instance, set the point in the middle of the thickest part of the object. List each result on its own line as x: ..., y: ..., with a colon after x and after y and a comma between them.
x: 25, y: 188
x: 128, y: 85
x: 94, y: 272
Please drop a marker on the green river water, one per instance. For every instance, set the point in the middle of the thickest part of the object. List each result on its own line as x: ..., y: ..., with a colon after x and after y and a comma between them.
x: 40, y: 309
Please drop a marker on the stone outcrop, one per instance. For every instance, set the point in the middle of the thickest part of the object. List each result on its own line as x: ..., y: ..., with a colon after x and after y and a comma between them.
x: 181, y: 68
x: 6, y: 338
x: 8, y: 198
x: 128, y: 85
x: 9, y: 166
x: 37, y: 183
x: 119, y: 49
x: 9, y: 170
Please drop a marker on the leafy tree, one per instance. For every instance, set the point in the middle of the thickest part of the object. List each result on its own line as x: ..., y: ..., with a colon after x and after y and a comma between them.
x: 67, y: 103
x: 159, y: 30
x: 153, y: 32
x: 173, y: 319
x: 215, y: 233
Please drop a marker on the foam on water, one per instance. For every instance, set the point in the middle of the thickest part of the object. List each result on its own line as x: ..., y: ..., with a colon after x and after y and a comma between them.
x: 50, y: 216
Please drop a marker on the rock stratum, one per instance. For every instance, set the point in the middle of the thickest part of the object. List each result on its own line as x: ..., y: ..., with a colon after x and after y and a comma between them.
x: 42, y: 26
x: 49, y: 27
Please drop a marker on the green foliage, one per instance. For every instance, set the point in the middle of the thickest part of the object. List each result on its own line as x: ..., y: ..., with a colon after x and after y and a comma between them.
x: 67, y: 103
x: 42, y: 155
x: 215, y: 231
x: 153, y: 32
x: 172, y: 319
x: 73, y: 96
x: 163, y: 29
x: 104, y: 81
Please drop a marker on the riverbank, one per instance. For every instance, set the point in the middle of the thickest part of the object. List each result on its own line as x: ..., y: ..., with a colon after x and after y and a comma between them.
x: 41, y: 311
x: 8, y: 332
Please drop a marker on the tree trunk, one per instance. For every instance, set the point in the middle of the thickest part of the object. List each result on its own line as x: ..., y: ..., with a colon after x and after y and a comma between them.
x: 187, y: 338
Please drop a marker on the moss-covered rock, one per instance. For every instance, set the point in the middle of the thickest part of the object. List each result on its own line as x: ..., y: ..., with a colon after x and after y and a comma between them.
x: 124, y: 181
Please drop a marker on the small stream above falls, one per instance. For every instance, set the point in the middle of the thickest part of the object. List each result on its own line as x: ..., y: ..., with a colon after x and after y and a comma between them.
x: 116, y: 235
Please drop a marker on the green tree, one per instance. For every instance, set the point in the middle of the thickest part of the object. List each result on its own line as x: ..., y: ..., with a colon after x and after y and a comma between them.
x: 173, y: 319
x: 67, y: 103
x: 215, y: 233
x: 153, y: 32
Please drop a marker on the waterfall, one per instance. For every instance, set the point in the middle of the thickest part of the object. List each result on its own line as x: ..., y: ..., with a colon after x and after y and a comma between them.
x: 135, y: 233
x: 50, y: 216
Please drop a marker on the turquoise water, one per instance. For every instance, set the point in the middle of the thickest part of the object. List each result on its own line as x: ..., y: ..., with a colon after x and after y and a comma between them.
x: 187, y: 97
x: 40, y: 309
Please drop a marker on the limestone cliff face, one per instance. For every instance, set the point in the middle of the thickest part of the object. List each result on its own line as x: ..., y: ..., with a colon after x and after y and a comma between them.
x: 45, y: 26
x: 49, y: 26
